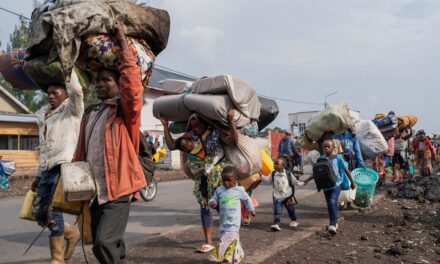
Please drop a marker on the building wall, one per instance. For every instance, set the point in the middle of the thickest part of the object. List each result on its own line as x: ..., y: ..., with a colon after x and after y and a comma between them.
x: 26, y: 161
x: 6, y: 105
x: 298, y: 121
x: 148, y: 121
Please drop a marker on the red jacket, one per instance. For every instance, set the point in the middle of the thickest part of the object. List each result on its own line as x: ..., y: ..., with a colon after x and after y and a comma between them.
x: 428, y: 145
x: 123, y: 171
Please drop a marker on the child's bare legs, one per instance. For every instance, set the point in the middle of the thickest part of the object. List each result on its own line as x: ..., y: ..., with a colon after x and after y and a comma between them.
x: 208, y: 235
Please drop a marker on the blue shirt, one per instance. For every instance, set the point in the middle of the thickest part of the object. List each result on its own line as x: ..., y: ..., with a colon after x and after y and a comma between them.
x: 336, y: 168
x: 287, y: 147
x: 350, y: 145
x: 230, y: 206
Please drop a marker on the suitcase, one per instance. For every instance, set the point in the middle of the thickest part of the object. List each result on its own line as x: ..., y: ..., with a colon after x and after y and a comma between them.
x: 324, y: 174
x: 78, y: 182
x: 251, y: 182
x: 28, y: 206
x: 60, y: 204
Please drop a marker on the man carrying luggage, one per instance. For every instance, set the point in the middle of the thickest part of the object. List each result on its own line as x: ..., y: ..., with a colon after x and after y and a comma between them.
x: 109, y: 141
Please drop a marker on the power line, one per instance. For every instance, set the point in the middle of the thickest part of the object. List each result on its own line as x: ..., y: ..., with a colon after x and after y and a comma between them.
x: 12, y: 12
x: 188, y: 75
x: 288, y: 100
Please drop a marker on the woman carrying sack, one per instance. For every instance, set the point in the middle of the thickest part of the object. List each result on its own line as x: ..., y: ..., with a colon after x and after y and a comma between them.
x: 203, y: 146
x: 58, y: 129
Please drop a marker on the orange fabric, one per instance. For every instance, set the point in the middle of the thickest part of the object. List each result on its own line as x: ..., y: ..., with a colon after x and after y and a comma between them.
x: 123, y: 171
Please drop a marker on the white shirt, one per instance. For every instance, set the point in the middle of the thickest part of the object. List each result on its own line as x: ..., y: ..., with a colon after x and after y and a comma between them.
x: 59, y: 131
x: 281, y: 188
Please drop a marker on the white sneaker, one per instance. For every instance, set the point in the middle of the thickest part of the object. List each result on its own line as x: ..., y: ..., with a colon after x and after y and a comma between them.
x: 275, y: 228
x: 332, y: 229
x: 294, y: 224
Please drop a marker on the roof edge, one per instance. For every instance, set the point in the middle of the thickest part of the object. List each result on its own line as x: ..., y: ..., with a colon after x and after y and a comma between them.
x: 15, y: 100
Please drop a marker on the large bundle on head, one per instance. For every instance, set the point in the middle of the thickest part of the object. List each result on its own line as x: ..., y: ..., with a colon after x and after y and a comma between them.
x: 405, y: 122
x: 11, y: 67
x: 59, y: 27
x: 387, y: 125
x: 371, y: 139
x: 335, y: 119
x: 211, y: 98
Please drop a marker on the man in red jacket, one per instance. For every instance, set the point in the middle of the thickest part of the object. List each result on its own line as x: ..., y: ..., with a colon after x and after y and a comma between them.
x: 109, y: 141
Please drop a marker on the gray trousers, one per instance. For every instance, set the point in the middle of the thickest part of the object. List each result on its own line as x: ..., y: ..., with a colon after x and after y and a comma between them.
x: 109, y: 221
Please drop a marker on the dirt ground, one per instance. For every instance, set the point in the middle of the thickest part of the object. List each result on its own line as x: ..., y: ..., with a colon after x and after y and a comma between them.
x: 20, y: 185
x: 395, y: 231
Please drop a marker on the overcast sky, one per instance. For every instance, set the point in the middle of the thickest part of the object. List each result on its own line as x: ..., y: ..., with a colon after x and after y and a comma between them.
x: 378, y: 55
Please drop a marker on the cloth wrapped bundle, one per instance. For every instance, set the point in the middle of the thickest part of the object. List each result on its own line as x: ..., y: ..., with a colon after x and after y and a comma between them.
x: 58, y: 32
x: 44, y: 74
x: 407, y: 121
x: 385, y: 123
x: 371, y: 140
x: 335, y: 118
x: 214, y: 108
x: 11, y: 67
x: 99, y: 51
x: 172, y: 86
x: 246, y: 157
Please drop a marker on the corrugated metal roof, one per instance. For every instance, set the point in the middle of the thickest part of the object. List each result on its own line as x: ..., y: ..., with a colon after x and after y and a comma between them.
x: 22, y: 118
x: 160, y: 74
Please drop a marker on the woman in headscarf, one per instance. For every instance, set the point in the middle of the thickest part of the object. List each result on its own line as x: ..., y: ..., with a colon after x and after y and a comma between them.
x: 424, y: 152
x: 203, y: 146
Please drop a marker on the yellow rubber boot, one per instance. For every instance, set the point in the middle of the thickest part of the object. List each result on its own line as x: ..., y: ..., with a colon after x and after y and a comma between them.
x: 72, y: 237
x: 56, y: 249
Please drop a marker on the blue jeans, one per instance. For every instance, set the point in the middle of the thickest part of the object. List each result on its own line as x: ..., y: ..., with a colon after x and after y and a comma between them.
x: 332, y: 196
x: 45, y: 191
x: 278, y: 209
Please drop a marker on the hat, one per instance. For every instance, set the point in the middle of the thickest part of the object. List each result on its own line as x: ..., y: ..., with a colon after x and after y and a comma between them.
x: 421, y: 131
x: 287, y: 133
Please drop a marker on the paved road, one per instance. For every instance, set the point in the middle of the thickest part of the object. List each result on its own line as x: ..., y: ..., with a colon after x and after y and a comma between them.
x: 174, y: 210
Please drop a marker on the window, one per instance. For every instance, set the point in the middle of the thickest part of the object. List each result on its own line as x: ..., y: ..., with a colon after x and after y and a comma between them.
x: 29, y: 142
x: 9, y: 142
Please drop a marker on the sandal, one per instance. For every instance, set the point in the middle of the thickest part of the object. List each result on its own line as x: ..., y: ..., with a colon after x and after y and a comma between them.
x: 205, y: 248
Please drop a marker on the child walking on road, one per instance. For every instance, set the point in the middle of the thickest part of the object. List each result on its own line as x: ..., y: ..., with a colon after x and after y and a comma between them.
x: 227, y: 198
x: 332, y: 194
x: 283, y: 193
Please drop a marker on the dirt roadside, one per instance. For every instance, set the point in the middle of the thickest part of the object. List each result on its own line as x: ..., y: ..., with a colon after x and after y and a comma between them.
x: 20, y: 185
x: 394, y: 231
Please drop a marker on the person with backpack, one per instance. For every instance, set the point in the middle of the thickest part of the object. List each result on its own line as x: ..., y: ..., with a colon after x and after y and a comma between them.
x: 283, y: 193
x: 331, y: 175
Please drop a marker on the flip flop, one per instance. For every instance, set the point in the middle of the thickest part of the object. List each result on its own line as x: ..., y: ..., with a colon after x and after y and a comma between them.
x: 205, y: 248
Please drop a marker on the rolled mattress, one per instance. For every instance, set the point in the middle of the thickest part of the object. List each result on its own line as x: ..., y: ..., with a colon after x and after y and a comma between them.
x: 212, y: 107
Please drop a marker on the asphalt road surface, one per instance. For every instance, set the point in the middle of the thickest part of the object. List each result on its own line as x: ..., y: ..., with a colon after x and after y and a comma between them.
x: 173, y: 210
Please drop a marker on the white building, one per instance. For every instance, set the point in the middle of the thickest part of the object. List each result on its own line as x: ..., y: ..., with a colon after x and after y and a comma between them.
x: 298, y: 121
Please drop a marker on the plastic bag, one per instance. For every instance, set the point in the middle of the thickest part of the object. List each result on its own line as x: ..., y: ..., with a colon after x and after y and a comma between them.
x: 371, y: 139
x: 335, y: 118
x: 313, y: 156
x: 246, y: 157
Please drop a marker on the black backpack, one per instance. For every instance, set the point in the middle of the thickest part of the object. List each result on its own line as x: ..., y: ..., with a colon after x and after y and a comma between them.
x: 324, y: 174
x: 289, y: 179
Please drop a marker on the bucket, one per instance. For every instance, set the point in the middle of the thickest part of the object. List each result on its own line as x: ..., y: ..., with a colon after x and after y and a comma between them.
x: 365, y: 180
x: 267, y: 163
